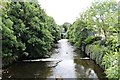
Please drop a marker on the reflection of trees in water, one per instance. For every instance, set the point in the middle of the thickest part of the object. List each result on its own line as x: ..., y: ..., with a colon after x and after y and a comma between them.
x: 29, y: 70
x: 90, y: 73
x: 83, y: 72
x: 87, y: 69
x: 80, y: 71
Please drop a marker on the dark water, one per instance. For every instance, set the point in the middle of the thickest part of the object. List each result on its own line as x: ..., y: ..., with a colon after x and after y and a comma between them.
x: 65, y: 63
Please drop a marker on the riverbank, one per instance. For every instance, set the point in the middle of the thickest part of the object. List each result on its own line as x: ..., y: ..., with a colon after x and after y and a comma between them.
x: 104, y: 55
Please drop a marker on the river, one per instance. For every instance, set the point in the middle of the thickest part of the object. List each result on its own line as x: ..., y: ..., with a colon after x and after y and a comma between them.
x: 65, y: 63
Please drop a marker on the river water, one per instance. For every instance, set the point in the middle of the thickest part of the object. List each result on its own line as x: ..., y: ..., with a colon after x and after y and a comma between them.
x: 65, y: 63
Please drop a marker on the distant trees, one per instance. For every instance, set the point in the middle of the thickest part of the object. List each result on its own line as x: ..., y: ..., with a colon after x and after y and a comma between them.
x: 65, y: 26
x: 27, y: 31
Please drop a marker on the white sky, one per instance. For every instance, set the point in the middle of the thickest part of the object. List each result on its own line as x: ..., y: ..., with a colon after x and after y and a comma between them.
x: 65, y: 10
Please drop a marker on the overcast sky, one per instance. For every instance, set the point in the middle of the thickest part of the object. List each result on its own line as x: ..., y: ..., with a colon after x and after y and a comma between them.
x: 65, y: 10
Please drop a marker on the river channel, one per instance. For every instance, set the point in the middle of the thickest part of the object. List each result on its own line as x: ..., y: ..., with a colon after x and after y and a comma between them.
x: 66, y: 62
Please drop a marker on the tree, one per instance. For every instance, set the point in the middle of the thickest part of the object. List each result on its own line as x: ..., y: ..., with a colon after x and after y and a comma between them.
x: 28, y: 32
x: 65, y: 26
x: 101, y: 18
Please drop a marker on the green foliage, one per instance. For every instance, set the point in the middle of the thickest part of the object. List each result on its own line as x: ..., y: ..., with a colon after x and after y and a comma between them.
x: 110, y: 59
x: 53, y: 28
x: 101, y: 19
x: 111, y: 64
x: 65, y: 26
x: 87, y: 40
x: 27, y: 31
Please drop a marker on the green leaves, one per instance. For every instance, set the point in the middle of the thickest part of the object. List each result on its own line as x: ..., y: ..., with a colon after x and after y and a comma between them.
x: 111, y: 64
x: 102, y: 20
x: 9, y: 23
x: 28, y: 32
x: 89, y: 39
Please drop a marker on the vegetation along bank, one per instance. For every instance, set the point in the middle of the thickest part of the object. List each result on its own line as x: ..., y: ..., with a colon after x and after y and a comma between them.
x: 27, y: 31
x: 97, y: 33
